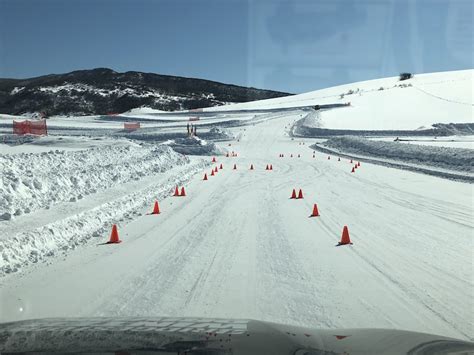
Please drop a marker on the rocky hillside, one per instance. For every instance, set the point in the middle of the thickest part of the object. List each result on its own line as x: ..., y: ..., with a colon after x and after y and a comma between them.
x: 102, y: 91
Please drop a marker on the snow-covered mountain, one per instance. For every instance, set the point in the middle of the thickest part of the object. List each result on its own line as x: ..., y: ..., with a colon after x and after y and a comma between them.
x: 102, y: 91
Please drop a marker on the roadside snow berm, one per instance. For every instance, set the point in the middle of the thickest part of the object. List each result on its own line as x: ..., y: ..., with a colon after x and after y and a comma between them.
x: 176, y: 191
x: 156, y: 208
x: 345, y: 239
x: 114, y: 237
x: 315, y: 211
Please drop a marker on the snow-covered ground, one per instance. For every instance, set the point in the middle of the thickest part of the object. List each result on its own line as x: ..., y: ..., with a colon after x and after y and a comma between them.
x: 235, y: 245
x: 466, y: 142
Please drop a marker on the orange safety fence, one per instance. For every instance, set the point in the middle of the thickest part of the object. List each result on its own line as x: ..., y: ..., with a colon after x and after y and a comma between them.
x: 30, y: 127
x: 131, y: 126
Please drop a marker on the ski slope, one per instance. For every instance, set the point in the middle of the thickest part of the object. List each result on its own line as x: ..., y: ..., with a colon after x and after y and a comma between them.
x: 237, y: 246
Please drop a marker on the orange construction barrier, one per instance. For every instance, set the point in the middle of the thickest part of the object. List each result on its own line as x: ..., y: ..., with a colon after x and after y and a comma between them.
x: 315, y: 211
x: 345, y: 239
x: 114, y: 237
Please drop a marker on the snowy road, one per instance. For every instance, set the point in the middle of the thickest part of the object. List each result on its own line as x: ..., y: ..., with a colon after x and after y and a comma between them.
x: 237, y: 246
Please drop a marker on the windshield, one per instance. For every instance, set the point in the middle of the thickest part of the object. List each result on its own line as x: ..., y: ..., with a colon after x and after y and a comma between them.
x: 306, y: 163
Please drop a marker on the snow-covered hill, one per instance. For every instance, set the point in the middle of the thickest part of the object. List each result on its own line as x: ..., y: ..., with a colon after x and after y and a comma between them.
x: 102, y: 90
x: 385, y: 104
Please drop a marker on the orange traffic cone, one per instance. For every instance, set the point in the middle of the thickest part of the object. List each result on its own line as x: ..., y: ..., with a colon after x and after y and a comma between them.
x: 183, y: 193
x: 353, y: 170
x: 271, y: 167
x: 215, y: 169
x: 235, y: 167
x: 213, y: 159
x: 351, y: 161
x: 313, y: 155
x: 205, y: 177
x: 156, y: 208
x: 345, y: 239
x: 315, y: 211
x: 212, y: 172
x: 329, y: 158
x: 355, y: 166
x: 358, y: 163
x: 220, y: 167
x: 300, y: 194
x: 114, y: 237
x: 293, y: 194
x: 176, y: 191
x: 251, y: 166
x: 266, y: 168
x: 338, y: 159
x: 227, y: 155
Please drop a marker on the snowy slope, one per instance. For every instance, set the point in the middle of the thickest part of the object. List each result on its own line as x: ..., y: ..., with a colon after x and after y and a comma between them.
x: 445, y: 97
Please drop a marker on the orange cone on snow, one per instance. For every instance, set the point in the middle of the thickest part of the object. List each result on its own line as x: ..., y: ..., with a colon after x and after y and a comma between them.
x: 215, y: 169
x: 338, y: 159
x: 345, y: 239
x: 156, y: 208
x: 212, y: 172
x: 205, y: 177
x: 353, y: 170
x: 213, y: 159
x: 220, y: 167
x: 313, y: 155
x: 251, y: 166
x: 358, y: 163
x: 300, y: 194
x: 315, y: 211
x: 176, y: 191
x: 293, y: 194
x: 114, y: 237
x: 266, y: 168
x: 183, y: 193
x: 227, y: 155
x: 329, y: 158
x: 355, y: 166
x: 235, y: 167
x: 351, y: 161
x: 271, y: 167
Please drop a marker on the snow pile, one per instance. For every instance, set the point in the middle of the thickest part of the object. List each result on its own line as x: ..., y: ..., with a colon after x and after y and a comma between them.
x: 193, y: 146
x: 32, y: 246
x: 457, y: 159
x: 31, y: 181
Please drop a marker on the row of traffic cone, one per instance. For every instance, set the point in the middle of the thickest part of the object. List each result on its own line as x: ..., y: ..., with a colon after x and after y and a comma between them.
x: 230, y: 155
x: 294, y: 196
x: 269, y: 167
x: 345, y: 239
x: 177, y: 193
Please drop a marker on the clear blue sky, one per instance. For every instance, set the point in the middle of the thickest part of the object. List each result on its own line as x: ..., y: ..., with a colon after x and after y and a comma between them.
x: 292, y: 46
